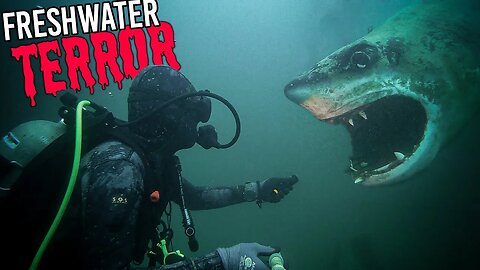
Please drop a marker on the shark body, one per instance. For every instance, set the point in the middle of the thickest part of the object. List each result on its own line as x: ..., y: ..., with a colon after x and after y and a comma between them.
x: 402, y: 91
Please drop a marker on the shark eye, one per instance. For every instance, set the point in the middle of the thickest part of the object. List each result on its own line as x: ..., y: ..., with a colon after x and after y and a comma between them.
x: 360, y: 59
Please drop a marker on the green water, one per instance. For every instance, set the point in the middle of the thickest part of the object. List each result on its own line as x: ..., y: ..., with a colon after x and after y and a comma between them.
x: 247, y: 51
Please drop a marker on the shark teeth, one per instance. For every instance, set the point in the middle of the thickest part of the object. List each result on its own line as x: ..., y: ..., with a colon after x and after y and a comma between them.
x: 400, y: 156
x: 350, y: 121
x: 351, y: 166
x: 363, y: 115
x: 382, y: 168
x: 358, y: 180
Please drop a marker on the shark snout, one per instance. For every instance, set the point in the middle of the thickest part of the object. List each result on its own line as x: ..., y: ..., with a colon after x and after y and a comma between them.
x: 304, y: 87
x: 297, y: 91
x: 304, y: 94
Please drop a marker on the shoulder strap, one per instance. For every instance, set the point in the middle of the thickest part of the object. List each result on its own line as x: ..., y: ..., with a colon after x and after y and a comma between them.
x: 125, y: 136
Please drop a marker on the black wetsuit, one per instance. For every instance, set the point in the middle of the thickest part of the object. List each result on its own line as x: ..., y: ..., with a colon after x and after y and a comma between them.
x: 114, y: 197
x: 109, y: 220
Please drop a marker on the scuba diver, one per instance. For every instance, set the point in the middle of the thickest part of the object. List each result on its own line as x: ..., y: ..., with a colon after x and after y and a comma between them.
x: 127, y: 183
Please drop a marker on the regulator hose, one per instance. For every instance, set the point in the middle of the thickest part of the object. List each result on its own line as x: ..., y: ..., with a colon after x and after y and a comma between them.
x: 185, y: 96
x: 70, y: 187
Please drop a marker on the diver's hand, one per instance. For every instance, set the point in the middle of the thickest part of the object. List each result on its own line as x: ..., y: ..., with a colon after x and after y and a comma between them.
x: 245, y: 256
x: 275, y: 188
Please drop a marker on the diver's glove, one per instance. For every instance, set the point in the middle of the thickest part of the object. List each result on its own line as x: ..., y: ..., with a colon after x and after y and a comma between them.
x: 270, y: 190
x: 245, y: 256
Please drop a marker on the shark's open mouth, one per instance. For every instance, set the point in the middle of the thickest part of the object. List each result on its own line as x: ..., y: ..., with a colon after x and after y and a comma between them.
x: 384, y: 134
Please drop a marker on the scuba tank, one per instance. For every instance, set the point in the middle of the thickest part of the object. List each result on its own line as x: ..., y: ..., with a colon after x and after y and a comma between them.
x: 21, y: 145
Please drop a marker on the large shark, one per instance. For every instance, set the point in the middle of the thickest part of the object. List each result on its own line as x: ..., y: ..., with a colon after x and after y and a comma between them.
x: 402, y: 91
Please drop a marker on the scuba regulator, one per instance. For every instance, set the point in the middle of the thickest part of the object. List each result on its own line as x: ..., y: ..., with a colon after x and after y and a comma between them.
x: 207, y: 135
